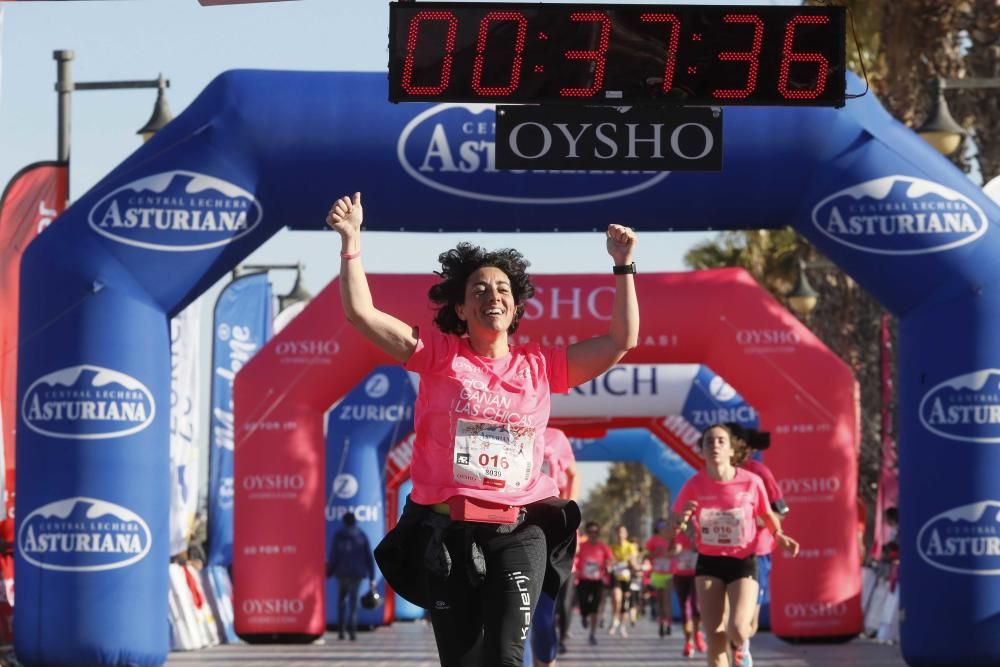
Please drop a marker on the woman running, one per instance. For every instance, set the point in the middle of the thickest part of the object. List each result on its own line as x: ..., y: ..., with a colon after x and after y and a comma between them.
x: 626, y: 564
x: 682, y: 566
x: 659, y: 552
x: 483, y: 529
x: 746, y: 441
x: 724, y: 501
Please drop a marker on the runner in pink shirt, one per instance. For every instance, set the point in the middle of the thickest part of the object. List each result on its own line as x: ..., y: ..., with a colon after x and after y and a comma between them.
x: 550, y: 624
x: 659, y: 553
x: 682, y: 567
x: 483, y: 532
x: 593, y: 564
x: 746, y: 441
x: 723, y: 502
x: 559, y: 463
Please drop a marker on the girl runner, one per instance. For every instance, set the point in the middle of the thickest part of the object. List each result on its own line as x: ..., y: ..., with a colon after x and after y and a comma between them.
x: 723, y: 502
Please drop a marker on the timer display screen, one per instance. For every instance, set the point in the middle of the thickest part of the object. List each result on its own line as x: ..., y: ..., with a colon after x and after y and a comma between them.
x: 617, y: 54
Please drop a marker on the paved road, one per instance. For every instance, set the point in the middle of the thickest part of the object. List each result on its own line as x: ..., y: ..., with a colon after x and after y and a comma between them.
x: 412, y: 644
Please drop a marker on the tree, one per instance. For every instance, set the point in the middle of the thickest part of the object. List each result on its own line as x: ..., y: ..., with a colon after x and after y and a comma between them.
x: 847, y: 318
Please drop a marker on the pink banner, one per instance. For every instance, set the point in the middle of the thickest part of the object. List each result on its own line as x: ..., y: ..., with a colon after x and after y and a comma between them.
x: 32, y: 200
x: 803, y: 392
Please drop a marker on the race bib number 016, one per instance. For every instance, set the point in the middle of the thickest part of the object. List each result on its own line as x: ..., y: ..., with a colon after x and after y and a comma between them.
x: 721, y: 528
x: 496, y: 456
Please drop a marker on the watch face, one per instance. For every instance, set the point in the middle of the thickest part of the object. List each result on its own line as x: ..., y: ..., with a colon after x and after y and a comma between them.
x: 621, y: 55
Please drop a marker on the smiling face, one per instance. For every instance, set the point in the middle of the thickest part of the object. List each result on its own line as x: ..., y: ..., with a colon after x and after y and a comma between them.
x: 489, y: 305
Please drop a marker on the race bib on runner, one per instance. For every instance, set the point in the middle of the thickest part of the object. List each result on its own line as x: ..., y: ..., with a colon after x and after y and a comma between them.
x: 721, y: 528
x: 591, y: 570
x: 494, y: 456
x: 622, y: 571
x: 661, y: 564
x: 686, y: 561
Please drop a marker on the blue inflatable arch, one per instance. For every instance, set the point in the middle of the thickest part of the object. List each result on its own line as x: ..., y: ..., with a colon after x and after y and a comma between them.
x: 258, y: 151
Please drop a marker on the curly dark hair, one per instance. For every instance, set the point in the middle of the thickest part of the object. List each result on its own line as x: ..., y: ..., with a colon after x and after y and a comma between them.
x: 461, y: 262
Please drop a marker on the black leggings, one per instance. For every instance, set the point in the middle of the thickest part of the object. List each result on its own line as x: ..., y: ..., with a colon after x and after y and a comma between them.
x: 488, y: 625
x: 564, y: 608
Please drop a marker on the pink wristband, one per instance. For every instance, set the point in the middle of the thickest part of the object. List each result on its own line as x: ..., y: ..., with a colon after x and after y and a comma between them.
x: 350, y: 255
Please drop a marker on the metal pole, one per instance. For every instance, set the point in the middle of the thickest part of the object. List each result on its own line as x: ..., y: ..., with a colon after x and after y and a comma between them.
x: 64, y: 88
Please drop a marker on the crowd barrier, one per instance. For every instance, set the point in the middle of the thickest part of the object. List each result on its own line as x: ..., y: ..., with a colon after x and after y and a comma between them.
x: 880, y: 602
x: 201, y: 608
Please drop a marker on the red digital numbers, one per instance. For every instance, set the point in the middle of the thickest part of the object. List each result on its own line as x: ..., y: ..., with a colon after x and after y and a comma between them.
x: 411, y: 47
x: 788, y: 56
x: 515, y: 70
x: 752, y: 57
x: 597, y: 55
x: 673, y: 41
x: 517, y: 52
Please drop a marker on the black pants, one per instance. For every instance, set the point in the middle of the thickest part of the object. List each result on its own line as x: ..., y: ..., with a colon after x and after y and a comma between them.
x: 488, y: 625
x: 564, y: 608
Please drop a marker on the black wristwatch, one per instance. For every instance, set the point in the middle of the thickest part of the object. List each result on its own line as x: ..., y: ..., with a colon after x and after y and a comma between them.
x: 622, y: 269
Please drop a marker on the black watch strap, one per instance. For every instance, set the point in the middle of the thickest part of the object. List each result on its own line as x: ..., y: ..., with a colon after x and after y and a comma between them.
x: 622, y: 269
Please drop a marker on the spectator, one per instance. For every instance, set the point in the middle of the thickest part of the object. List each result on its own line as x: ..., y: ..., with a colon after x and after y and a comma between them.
x: 350, y: 560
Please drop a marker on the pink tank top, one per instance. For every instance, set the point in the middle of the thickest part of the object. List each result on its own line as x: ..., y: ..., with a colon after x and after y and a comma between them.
x: 557, y: 457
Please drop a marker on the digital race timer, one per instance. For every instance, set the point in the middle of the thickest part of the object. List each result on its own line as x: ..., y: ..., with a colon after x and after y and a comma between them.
x: 617, y: 54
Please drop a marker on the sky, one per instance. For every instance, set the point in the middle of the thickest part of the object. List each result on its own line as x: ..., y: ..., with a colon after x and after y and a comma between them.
x: 190, y: 45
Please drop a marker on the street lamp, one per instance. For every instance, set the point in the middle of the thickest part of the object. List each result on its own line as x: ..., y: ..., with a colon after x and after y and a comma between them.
x: 161, y: 112
x: 803, y: 298
x: 297, y: 294
x: 941, y: 131
x: 65, y: 87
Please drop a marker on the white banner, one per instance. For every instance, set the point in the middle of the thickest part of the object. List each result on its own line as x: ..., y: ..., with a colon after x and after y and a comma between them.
x: 627, y: 390
x: 185, y: 409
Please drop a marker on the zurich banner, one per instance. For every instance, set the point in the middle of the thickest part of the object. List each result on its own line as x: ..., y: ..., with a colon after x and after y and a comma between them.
x: 376, y: 415
x: 242, y: 325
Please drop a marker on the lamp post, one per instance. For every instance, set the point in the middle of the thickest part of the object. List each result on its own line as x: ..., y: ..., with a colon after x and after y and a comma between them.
x: 940, y: 130
x: 802, y: 299
x: 297, y: 294
x: 65, y: 87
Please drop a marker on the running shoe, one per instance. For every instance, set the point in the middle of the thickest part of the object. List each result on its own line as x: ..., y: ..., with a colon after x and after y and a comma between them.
x: 699, y: 641
x: 670, y: 629
x: 741, y: 657
x: 614, y: 629
x: 624, y: 631
x: 593, y: 640
x: 663, y: 630
x: 562, y: 649
x: 688, y: 649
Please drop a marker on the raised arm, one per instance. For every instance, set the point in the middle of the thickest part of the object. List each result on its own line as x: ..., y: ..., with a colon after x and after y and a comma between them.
x: 589, y: 358
x: 392, y: 336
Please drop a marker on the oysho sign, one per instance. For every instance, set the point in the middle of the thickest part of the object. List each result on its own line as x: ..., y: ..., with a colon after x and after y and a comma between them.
x: 176, y: 211
x: 314, y: 351
x: 809, y: 489
x: 452, y: 148
x: 83, y: 535
x: 965, y: 407
x: 964, y: 540
x: 900, y: 215
x: 590, y: 137
x: 87, y: 402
